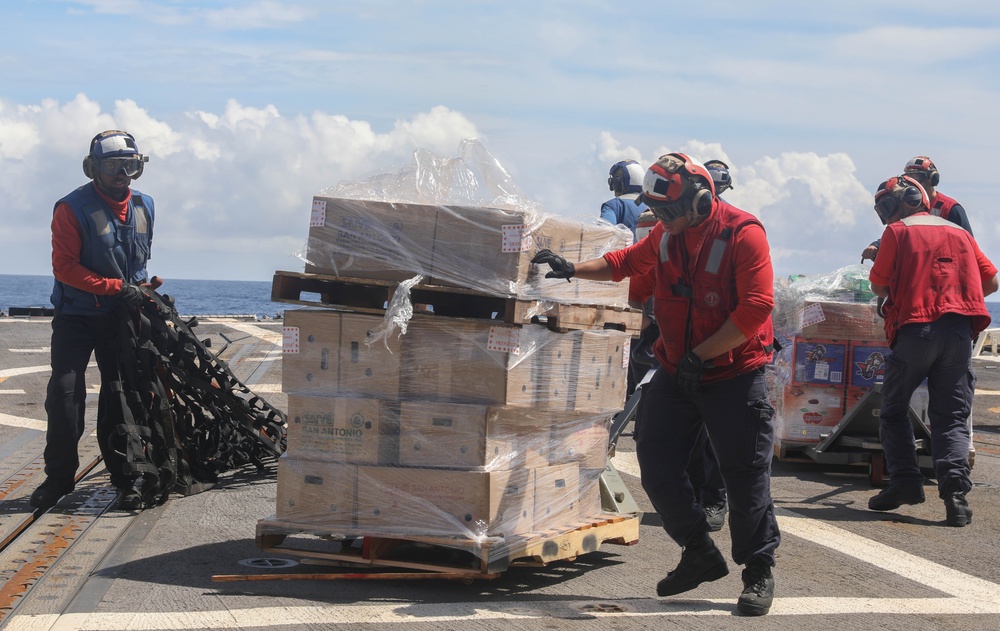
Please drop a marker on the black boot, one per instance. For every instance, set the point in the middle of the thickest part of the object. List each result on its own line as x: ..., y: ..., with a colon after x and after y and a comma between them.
x: 895, y: 495
x: 700, y: 562
x: 48, y: 493
x: 758, y: 589
x: 958, y: 510
x: 128, y: 499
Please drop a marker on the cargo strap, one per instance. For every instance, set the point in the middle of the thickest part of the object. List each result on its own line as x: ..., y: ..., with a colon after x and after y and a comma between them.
x: 177, y: 414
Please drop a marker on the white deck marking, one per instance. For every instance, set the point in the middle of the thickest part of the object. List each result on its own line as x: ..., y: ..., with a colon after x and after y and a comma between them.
x: 967, y: 595
x: 22, y: 422
x: 268, y: 335
x: 12, y: 391
x: 30, y: 370
x: 41, y: 349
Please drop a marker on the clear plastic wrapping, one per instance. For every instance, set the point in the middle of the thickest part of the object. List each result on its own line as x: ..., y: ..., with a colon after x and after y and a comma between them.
x: 833, y: 351
x: 463, y: 428
x: 456, y: 222
x: 423, y: 425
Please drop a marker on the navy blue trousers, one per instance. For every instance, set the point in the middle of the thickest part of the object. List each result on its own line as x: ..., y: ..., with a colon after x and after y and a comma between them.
x: 74, y: 340
x: 941, y: 352
x: 739, y: 422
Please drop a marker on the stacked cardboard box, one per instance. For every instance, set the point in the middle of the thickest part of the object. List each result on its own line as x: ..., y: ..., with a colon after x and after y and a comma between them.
x: 834, y: 339
x: 458, y: 427
x: 836, y: 352
x: 486, y: 249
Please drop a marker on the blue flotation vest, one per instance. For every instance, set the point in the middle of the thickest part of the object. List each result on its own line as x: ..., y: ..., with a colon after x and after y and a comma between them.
x: 109, y: 247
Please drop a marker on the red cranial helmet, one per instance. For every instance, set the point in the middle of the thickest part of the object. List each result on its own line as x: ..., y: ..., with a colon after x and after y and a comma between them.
x: 922, y: 169
x: 676, y: 185
x: 901, y: 195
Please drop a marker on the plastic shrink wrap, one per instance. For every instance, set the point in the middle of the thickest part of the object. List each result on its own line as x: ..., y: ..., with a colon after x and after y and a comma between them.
x: 447, y: 426
x: 834, y: 351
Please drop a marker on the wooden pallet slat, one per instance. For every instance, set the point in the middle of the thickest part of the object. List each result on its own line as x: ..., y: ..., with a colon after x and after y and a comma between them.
x: 451, y: 557
x: 372, y: 296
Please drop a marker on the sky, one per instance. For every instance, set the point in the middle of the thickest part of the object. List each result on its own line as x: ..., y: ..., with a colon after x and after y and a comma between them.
x: 248, y: 109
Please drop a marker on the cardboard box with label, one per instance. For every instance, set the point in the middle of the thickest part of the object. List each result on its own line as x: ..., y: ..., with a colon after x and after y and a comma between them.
x: 441, y: 502
x: 557, y: 497
x: 867, y: 363
x: 809, y: 411
x: 484, y: 249
x: 840, y: 320
x: 328, y: 352
x: 358, y: 430
x: 820, y: 362
x: 465, y: 436
x: 370, y: 239
x: 583, y: 441
x: 320, y: 494
x: 483, y: 361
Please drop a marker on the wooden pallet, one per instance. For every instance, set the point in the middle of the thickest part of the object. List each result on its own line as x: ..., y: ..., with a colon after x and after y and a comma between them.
x: 444, y: 557
x: 372, y: 296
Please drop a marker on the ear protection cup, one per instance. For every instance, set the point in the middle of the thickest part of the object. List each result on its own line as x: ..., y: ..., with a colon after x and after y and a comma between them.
x: 88, y: 167
x: 912, y: 197
x: 933, y: 177
x: 701, y: 202
x: 615, y: 184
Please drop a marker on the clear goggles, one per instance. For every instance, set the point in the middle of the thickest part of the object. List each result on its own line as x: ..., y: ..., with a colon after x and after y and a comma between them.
x: 113, y: 166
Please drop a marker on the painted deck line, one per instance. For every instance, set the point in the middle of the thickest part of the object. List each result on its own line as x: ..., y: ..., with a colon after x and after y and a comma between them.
x: 967, y: 595
x: 22, y: 422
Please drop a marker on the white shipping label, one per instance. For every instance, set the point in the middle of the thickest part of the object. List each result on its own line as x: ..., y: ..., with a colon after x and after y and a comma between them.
x: 516, y: 238
x: 318, y: 216
x: 626, y: 352
x: 290, y: 339
x: 504, y: 339
x: 813, y: 314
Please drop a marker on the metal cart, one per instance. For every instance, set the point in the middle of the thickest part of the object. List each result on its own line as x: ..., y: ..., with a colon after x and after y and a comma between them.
x: 855, y: 439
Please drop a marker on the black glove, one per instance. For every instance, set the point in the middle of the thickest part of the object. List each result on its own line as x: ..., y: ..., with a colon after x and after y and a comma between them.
x: 130, y: 295
x: 689, y: 371
x: 561, y: 268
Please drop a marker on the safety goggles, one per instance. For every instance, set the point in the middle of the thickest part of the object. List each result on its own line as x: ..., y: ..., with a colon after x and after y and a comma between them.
x: 919, y: 176
x: 886, y: 206
x: 667, y: 212
x: 113, y: 166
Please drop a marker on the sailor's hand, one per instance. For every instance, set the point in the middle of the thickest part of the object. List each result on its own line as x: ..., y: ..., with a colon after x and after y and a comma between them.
x: 130, y: 295
x: 689, y: 372
x: 561, y: 268
x: 869, y: 253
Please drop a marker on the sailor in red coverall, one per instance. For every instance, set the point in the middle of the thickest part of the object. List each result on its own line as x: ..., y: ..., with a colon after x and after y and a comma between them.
x: 922, y: 169
x: 713, y: 297
x: 935, y: 278
x: 101, y: 238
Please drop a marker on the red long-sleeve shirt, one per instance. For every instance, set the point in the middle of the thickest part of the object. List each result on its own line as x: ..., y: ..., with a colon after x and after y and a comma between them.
x: 67, y: 241
x: 754, y: 274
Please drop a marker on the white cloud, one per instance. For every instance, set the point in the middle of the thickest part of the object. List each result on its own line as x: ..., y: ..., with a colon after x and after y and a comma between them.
x: 232, y: 190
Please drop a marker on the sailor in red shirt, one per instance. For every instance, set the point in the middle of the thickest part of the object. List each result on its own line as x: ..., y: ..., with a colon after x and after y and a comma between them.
x: 922, y: 169
x: 713, y: 296
x: 102, y: 233
x: 934, y: 278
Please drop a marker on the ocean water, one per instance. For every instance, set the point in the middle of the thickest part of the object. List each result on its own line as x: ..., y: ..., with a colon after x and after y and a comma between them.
x: 191, y: 297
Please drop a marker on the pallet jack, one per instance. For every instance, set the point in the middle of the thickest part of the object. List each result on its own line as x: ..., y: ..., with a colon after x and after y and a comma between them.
x: 855, y: 439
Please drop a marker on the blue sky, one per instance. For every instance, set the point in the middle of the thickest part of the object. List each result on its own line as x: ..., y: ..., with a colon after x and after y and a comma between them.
x: 247, y: 109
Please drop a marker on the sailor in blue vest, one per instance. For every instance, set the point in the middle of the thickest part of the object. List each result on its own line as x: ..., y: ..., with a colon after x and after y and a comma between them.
x: 101, y: 238
x: 625, y: 181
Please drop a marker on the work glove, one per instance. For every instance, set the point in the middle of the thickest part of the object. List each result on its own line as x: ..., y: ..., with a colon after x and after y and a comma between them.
x: 561, y: 268
x: 130, y: 295
x: 689, y: 371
